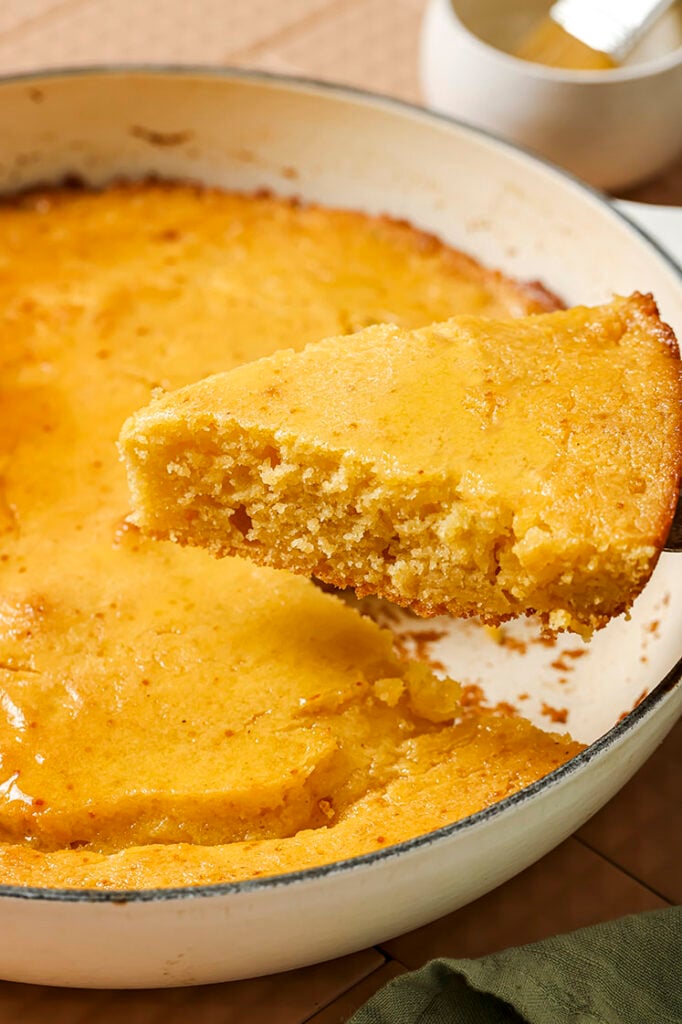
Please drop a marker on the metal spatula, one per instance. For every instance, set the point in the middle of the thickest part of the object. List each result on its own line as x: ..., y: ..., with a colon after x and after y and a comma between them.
x: 674, y: 541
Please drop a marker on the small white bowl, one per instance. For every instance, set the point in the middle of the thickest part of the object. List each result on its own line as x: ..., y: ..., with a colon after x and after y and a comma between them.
x: 612, y: 128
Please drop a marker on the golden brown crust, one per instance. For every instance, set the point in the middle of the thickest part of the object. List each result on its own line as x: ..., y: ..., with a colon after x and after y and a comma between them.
x: 644, y: 306
x: 645, y: 303
x: 546, y: 300
x: 531, y: 296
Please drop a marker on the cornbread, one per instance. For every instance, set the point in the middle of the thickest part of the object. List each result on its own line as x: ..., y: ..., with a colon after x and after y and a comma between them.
x: 166, y: 719
x: 476, y: 466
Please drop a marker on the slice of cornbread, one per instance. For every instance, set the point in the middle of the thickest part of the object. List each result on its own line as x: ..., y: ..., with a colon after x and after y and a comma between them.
x: 477, y: 467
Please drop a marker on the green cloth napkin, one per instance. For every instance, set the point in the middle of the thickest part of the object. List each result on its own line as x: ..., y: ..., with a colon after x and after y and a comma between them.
x: 624, y: 972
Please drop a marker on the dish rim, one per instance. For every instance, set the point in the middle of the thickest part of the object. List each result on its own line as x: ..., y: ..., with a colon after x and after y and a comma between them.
x: 642, y: 710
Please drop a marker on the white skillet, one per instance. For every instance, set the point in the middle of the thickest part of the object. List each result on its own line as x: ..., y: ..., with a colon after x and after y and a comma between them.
x: 344, y: 148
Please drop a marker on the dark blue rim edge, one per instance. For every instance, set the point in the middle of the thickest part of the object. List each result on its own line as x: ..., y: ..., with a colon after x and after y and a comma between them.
x: 614, y: 735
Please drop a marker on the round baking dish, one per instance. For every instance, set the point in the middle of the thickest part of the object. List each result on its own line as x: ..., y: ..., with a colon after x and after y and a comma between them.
x: 343, y: 148
x: 613, y: 128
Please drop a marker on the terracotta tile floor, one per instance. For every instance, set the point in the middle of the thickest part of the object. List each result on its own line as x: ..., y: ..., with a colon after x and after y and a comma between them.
x: 628, y: 857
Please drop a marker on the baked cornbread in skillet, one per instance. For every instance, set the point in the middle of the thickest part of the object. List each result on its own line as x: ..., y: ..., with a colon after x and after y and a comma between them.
x: 476, y: 466
x: 166, y: 719
x: 431, y: 777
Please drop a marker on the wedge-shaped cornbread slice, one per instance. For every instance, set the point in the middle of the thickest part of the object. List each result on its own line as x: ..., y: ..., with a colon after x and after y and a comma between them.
x: 476, y: 467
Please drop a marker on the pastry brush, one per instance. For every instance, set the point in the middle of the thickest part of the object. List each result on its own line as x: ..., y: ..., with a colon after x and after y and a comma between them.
x: 590, y: 34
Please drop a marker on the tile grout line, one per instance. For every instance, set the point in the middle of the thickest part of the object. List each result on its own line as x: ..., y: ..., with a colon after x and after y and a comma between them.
x: 288, y: 32
x: 340, y: 995
x: 619, y: 867
x: 390, y: 958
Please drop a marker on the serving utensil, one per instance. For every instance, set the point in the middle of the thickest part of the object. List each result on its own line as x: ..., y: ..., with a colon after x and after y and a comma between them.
x: 674, y: 541
x: 590, y: 34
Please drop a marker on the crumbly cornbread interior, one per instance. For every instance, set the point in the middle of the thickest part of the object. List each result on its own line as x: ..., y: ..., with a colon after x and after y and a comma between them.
x: 476, y: 466
x: 167, y: 719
